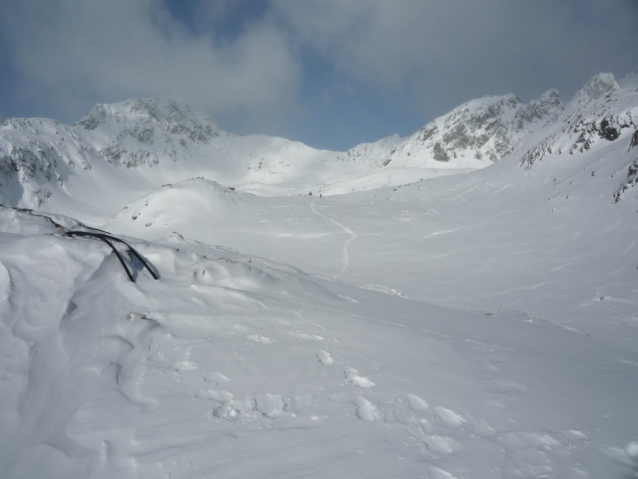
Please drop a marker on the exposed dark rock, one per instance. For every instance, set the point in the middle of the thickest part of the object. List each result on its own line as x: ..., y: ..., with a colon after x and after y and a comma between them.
x: 632, y: 181
x: 439, y: 153
x: 608, y: 132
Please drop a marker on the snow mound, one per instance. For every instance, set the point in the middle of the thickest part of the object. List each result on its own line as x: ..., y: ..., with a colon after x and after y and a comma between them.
x: 195, y: 201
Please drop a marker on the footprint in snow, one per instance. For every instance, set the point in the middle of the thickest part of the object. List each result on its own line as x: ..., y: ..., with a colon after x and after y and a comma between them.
x: 354, y: 378
x: 215, y: 378
x: 500, y: 386
x: 306, y: 337
x: 366, y: 411
x: 271, y: 405
x: 275, y: 406
x: 258, y: 338
x: 184, y: 366
x: 417, y: 404
x: 324, y: 357
x: 440, y: 444
x: 449, y: 417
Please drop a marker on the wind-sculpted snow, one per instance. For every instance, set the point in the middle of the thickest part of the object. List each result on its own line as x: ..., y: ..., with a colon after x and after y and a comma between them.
x: 234, y: 366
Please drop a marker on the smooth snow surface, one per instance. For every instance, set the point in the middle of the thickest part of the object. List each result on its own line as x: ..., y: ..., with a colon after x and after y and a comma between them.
x: 474, y: 326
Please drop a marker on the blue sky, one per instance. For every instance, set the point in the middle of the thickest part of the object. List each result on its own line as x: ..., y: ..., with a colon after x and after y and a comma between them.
x: 329, y: 73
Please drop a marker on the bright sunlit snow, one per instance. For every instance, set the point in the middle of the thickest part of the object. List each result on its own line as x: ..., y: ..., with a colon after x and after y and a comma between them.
x: 400, y: 321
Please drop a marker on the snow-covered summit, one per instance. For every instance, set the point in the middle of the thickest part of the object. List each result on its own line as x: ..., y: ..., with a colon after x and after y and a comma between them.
x: 171, y: 116
x: 139, y: 131
x: 599, y: 86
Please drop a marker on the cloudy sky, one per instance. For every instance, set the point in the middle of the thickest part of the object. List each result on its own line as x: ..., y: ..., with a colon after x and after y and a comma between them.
x: 330, y: 73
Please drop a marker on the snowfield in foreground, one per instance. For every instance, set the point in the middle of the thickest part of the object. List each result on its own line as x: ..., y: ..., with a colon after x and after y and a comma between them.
x: 234, y: 366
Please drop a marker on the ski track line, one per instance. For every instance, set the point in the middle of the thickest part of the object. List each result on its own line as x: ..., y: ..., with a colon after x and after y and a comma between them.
x: 346, y: 257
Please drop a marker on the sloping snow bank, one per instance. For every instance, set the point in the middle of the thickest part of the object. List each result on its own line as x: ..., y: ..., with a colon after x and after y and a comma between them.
x: 233, y: 366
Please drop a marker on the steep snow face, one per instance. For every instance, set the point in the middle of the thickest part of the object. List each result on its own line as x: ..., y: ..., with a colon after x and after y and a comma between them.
x: 478, y: 132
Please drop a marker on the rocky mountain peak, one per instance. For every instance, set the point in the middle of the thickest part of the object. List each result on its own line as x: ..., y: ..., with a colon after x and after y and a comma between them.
x: 143, y: 131
x: 139, y: 117
x: 599, y: 86
x: 481, y: 129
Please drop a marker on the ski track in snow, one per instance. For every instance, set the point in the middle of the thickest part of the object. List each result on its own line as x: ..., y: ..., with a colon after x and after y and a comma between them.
x: 346, y: 258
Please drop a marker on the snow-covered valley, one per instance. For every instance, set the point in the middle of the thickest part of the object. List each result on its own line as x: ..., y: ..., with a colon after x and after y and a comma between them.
x: 422, y: 325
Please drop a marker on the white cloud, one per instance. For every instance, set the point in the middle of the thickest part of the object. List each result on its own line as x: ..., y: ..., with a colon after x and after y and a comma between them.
x: 475, y: 47
x: 71, y: 52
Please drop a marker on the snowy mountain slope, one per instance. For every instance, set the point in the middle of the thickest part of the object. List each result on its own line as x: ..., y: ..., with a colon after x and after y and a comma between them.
x: 481, y: 129
x: 554, y: 238
x: 151, y: 142
x: 602, y: 116
x: 139, y: 145
x: 234, y: 366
